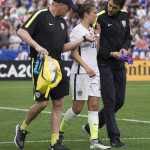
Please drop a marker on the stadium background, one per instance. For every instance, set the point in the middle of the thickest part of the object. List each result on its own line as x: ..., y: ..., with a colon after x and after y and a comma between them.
x: 16, y: 96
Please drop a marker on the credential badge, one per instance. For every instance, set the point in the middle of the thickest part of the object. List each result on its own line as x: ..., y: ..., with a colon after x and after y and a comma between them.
x: 63, y: 26
x: 124, y: 23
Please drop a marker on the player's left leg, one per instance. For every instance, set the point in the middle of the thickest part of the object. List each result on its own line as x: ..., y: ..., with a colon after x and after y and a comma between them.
x: 120, y: 86
x: 70, y: 115
x: 93, y: 121
x: 57, y: 95
x: 55, y: 124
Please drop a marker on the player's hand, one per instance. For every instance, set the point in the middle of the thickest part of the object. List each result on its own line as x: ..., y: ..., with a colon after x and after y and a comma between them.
x: 90, y: 38
x: 90, y: 72
x: 41, y: 51
x: 124, y: 51
x: 97, y: 28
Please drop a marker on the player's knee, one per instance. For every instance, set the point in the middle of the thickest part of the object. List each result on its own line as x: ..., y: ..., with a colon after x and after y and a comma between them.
x: 119, y: 105
x: 93, y: 107
x: 44, y: 104
x: 77, y: 110
x: 58, y: 104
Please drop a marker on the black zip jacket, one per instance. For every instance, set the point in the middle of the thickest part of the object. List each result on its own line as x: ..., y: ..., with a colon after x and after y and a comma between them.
x: 115, y: 35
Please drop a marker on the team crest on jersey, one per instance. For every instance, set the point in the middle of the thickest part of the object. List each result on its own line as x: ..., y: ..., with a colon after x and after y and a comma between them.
x: 63, y: 26
x: 80, y: 93
x: 124, y: 23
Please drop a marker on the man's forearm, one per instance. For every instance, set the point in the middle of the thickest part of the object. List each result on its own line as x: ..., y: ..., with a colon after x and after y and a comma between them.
x: 25, y: 36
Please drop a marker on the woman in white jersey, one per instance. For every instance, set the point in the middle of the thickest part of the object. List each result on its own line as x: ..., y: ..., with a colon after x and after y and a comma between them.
x: 84, y: 79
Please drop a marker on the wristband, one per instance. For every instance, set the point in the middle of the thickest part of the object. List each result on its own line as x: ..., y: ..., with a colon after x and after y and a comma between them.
x: 97, y: 34
x: 84, y: 37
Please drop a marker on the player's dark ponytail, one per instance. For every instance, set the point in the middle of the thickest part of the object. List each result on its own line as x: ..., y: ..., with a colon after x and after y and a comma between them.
x: 84, y: 8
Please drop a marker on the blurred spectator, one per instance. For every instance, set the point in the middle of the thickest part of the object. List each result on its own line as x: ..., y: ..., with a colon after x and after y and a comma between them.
x: 147, y: 56
x: 4, y: 37
x: 142, y: 43
x: 22, y: 10
x: 30, y: 4
x: 147, y: 26
x: 20, y: 47
x: 1, y: 11
x: 5, y: 23
x: 15, y: 40
x: 19, y: 57
x: 148, y: 12
x: 137, y: 33
x: 73, y: 23
x: 143, y: 2
x: 11, y: 47
x: 134, y: 4
x: 102, y: 4
x: 13, y: 15
x: 135, y: 21
x: 141, y: 12
x: 32, y: 8
x: 132, y: 13
x: 14, y: 6
x: 40, y: 5
x: 98, y: 9
x: 137, y: 57
x: 4, y: 47
x: 6, y: 11
x: 148, y: 3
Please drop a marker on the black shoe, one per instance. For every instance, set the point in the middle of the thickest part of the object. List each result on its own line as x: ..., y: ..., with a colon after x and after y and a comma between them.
x: 20, y: 137
x: 61, y: 137
x: 117, y: 143
x: 58, y: 146
x: 86, y: 130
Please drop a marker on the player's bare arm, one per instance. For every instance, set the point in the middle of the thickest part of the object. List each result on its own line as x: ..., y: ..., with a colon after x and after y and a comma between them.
x: 97, y: 31
x: 78, y: 59
x: 71, y: 45
x: 25, y: 36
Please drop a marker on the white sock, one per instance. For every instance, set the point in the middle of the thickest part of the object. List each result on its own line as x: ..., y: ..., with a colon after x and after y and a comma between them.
x: 67, y: 119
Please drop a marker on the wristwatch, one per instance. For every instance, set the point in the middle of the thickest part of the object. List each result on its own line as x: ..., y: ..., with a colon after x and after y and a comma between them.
x: 84, y: 37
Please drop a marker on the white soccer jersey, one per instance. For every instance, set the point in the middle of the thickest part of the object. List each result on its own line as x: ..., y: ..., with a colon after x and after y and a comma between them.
x: 87, y: 50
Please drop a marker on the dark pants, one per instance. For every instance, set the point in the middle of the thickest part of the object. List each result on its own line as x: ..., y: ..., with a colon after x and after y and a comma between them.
x: 113, y: 84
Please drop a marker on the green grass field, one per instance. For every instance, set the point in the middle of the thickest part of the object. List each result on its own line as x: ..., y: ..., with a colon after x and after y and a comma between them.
x: 133, y: 119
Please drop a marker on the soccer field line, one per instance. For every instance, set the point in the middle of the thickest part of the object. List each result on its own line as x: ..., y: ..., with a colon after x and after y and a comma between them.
x: 22, y: 87
x: 82, y: 140
x: 85, y: 116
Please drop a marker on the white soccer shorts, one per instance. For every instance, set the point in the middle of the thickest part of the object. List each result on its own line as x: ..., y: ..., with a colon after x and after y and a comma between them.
x: 82, y: 86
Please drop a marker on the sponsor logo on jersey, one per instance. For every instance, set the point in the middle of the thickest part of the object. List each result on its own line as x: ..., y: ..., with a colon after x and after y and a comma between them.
x: 50, y: 24
x: 80, y: 93
x: 109, y: 25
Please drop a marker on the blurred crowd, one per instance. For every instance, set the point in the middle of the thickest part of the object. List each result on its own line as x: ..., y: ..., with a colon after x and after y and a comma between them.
x: 13, y: 13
